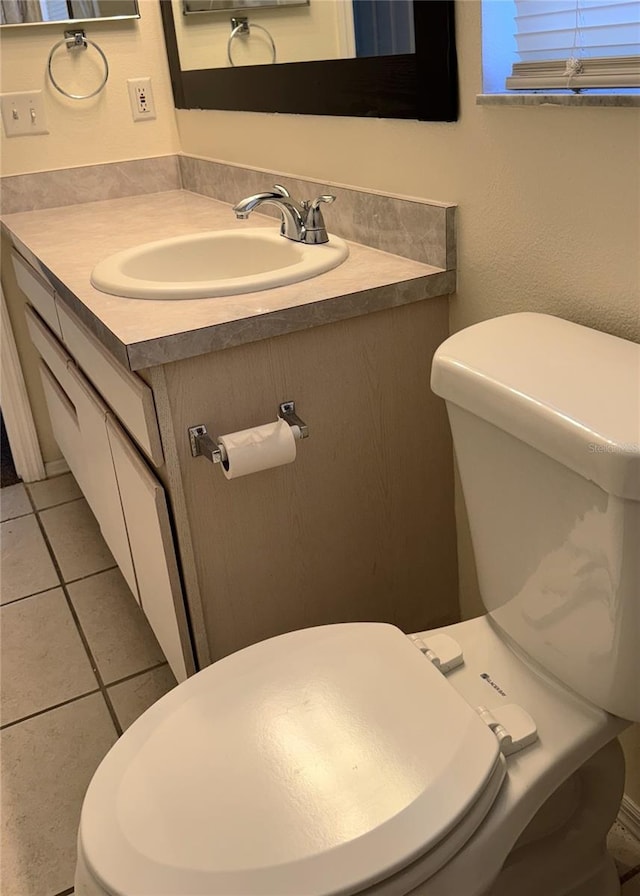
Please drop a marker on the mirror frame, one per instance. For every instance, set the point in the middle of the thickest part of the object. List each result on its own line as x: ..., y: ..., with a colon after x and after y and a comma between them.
x: 374, y: 86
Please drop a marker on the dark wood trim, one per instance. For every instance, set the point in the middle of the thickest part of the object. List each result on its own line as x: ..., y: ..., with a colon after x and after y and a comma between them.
x: 173, y: 57
x: 423, y: 86
x: 381, y: 87
x: 436, y: 60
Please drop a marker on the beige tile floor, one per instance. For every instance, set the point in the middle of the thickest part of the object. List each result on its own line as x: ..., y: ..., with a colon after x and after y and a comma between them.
x: 78, y: 665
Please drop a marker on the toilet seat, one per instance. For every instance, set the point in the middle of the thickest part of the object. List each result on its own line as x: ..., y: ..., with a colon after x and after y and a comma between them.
x: 319, y: 762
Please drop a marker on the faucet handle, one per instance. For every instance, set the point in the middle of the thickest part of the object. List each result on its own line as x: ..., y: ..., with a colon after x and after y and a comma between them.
x: 314, y: 206
x: 282, y: 191
x: 315, y: 230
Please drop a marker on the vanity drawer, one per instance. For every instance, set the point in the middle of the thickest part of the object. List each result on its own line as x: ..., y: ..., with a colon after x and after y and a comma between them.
x: 129, y: 396
x: 49, y: 348
x: 37, y: 290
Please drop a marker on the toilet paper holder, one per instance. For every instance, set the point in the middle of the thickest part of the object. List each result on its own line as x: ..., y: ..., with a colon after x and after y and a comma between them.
x: 202, y: 445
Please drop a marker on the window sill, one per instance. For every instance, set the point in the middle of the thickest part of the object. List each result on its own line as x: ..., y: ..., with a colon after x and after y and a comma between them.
x: 556, y: 99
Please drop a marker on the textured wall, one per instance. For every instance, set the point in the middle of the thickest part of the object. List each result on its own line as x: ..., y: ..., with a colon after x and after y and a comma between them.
x: 82, y: 132
x: 548, y: 218
x: 101, y: 129
x: 548, y: 195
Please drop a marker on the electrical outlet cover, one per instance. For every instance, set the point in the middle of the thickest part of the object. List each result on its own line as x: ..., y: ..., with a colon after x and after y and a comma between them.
x: 141, y: 98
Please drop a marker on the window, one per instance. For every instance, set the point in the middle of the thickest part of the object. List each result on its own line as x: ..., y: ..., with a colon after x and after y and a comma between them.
x: 561, y: 45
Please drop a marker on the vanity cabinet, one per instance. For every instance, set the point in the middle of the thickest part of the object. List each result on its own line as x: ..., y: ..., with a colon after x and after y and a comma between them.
x: 360, y: 527
x: 95, y: 407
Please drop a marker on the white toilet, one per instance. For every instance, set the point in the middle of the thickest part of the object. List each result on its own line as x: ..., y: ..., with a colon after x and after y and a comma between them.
x: 477, y: 759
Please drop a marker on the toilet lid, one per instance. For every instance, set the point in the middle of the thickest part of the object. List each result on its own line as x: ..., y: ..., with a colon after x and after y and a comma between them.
x: 317, y: 762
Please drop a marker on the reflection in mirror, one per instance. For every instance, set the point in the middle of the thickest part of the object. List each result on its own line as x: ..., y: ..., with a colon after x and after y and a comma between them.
x: 191, y: 6
x: 416, y: 78
x: 42, y: 12
x: 321, y: 29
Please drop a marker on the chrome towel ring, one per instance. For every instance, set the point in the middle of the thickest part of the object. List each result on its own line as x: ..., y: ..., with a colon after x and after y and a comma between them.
x: 240, y: 26
x: 76, y: 40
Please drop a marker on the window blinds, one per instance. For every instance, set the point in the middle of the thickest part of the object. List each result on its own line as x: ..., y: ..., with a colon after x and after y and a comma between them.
x: 576, y: 44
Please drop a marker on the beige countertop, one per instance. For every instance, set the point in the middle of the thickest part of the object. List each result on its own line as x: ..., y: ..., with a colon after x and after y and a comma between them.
x: 65, y: 244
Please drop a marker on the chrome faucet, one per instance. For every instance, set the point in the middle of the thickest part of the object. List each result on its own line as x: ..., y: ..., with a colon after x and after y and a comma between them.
x: 301, y: 221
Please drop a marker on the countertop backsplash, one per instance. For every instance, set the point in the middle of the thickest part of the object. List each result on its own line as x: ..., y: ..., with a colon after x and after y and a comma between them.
x: 414, y: 228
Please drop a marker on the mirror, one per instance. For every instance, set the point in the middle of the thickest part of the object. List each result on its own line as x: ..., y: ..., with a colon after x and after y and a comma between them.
x: 43, y: 12
x: 193, y: 6
x: 266, y: 33
x: 397, y: 84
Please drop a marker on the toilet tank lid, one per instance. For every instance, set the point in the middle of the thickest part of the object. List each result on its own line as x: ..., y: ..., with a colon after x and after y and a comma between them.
x: 567, y: 390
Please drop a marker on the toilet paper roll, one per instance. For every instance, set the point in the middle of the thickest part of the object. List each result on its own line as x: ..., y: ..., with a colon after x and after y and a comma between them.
x: 260, y: 448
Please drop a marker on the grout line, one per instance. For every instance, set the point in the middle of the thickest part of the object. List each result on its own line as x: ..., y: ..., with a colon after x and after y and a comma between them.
x: 44, y: 590
x: 630, y: 873
x: 136, y: 674
x: 29, y: 485
x: 38, y: 514
x: 16, y: 600
x: 59, y: 504
x: 18, y: 516
x: 49, y: 506
x: 57, y: 568
x: 94, y: 666
x: 30, y: 499
x: 90, y: 575
x: 41, y: 712
x: 78, y: 498
x: 72, y: 610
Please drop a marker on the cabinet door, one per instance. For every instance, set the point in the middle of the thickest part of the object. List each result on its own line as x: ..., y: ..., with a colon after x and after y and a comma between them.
x: 78, y: 417
x: 150, y: 537
x: 64, y: 424
x: 99, y: 483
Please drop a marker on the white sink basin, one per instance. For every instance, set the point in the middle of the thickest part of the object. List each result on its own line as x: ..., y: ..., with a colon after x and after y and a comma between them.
x: 217, y: 263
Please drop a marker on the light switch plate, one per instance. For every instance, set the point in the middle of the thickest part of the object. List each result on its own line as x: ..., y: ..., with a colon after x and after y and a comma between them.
x: 23, y: 113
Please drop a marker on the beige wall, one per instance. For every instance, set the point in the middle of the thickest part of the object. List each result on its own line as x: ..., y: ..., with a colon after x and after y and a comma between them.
x: 549, y: 207
x: 101, y: 129
x: 548, y: 196
x: 82, y: 132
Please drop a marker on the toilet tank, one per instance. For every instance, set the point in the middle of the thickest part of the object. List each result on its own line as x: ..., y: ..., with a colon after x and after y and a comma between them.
x: 545, y: 416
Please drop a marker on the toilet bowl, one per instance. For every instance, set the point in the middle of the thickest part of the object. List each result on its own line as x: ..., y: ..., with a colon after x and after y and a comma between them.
x: 476, y: 759
x: 186, y: 809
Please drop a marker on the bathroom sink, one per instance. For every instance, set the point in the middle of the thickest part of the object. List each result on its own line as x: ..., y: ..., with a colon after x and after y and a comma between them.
x: 214, y: 263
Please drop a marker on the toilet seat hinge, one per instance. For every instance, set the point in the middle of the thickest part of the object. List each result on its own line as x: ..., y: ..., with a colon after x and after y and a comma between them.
x: 441, y: 650
x: 512, y: 725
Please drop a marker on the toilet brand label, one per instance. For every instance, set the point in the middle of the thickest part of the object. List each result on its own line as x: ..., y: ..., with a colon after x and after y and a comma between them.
x: 490, y: 681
